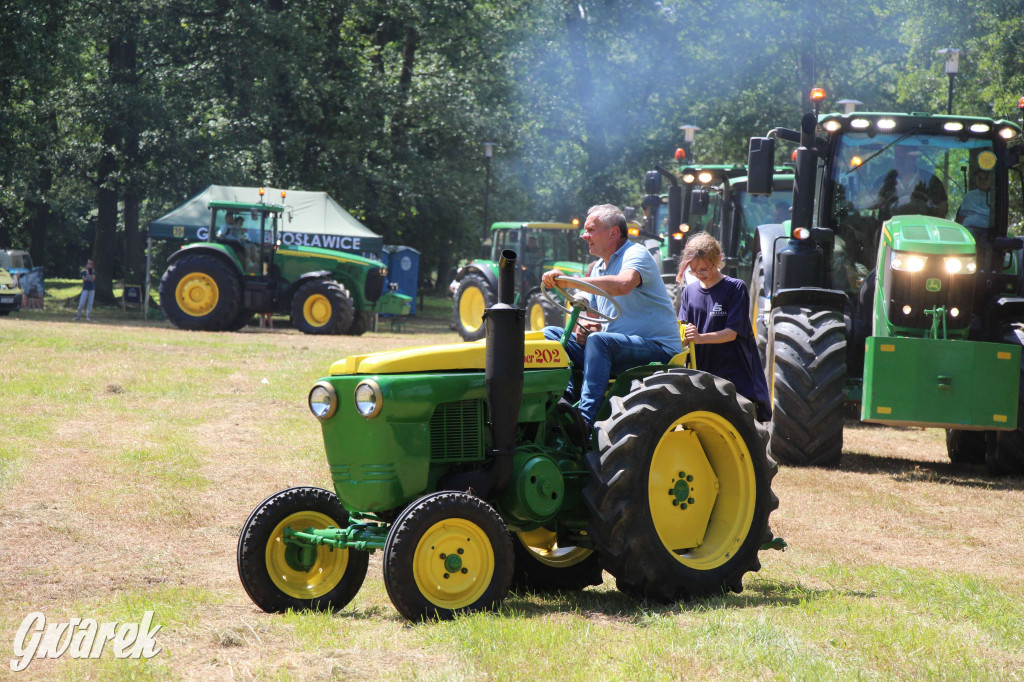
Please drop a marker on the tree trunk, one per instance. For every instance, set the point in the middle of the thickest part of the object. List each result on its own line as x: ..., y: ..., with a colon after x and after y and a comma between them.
x: 595, y: 142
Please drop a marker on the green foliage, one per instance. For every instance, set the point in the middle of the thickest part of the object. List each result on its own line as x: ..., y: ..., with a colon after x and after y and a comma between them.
x: 110, y: 118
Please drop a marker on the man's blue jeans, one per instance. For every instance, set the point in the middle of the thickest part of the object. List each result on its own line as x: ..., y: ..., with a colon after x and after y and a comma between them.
x: 604, y: 353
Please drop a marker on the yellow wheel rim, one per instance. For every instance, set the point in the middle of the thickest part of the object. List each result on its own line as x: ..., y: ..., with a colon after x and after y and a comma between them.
x: 702, y: 490
x: 536, y: 317
x: 284, y: 569
x: 453, y: 564
x: 317, y: 310
x: 543, y: 545
x: 471, y: 309
x: 197, y: 294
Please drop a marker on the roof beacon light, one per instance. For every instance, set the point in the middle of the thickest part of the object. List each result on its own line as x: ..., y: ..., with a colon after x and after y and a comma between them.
x: 262, y: 191
x: 284, y: 193
x: 801, y: 233
x: 680, y: 154
x: 817, y: 94
x: 679, y: 235
x: 1020, y: 103
x: 633, y: 231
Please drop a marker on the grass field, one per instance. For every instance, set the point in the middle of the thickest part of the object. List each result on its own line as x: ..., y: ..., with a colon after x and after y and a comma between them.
x: 132, y: 452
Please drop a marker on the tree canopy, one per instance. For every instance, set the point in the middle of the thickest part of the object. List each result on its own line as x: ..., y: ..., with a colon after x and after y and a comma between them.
x: 111, y: 113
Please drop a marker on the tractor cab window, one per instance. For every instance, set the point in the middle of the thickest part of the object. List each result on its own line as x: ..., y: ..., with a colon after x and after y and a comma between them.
x: 874, y: 178
x: 504, y: 239
x: 751, y: 211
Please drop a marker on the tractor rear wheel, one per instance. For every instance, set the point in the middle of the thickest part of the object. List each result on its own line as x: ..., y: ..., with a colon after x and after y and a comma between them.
x: 759, y: 308
x: 1005, y: 457
x: 965, y: 447
x: 322, y: 306
x: 360, y: 323
x: 244, y: 317
x: 472, y: 297
x: 540, y: 313
x: 542, y: 565
x: 807, y: 382
x: 201, y: 293
x: 447, y: 553
x: 680, y: 488
x: 278, y: 574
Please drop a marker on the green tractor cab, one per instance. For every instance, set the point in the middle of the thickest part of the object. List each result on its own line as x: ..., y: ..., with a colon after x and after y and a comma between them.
x: 467, y: 469
x: 542, y: 246
x: 221, y: 284
x: 885, y: 290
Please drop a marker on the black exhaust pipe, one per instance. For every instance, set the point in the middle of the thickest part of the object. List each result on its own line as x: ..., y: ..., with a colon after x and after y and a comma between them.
x: 503, y: 380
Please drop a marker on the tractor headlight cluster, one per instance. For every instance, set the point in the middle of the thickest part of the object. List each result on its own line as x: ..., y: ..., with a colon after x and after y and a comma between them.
x: 323, y: 400
x: 369, y: 399
x: 961, y: 265
x: 908, y: 262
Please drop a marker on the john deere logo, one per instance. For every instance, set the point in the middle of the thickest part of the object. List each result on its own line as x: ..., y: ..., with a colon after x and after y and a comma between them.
x: 933, y: 284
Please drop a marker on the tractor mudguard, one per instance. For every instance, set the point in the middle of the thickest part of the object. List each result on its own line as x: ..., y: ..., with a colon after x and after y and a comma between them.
x: 834, y: 299
x: 305, y: 277
x: 485, y: 270
x: 220, y: 251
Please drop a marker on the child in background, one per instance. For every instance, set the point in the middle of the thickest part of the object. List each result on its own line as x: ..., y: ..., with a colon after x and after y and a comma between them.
x: 715, y: 310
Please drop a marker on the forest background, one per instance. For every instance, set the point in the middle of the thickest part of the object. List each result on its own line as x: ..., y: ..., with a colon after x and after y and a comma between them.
x: 113, y: 112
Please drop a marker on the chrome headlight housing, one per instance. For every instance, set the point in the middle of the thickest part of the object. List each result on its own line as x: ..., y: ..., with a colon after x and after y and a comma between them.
x: 323, y: 400
x: 369, y: 399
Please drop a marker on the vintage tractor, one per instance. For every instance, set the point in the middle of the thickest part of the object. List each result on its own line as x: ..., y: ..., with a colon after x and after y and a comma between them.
x: 467, y: 468
x: 541, y: 246
x: 873, y: 293
x: 221, y: 284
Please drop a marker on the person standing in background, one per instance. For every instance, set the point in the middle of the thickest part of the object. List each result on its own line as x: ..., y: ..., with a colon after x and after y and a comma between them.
x: 88, y: 291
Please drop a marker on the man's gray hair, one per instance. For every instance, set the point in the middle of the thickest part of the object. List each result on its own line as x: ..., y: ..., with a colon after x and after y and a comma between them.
x: 610, y: 216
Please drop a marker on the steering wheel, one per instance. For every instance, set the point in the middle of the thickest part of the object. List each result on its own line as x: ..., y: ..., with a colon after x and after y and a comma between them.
x: 580, y: 302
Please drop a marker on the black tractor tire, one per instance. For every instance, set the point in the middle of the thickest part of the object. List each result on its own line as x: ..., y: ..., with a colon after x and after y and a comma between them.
x: 540, y: 313
x: 807, y: 382
x: 965, y: 447
x: 680, y: 488
x: 758, y: 309
x: 322, y: 306
x: 201, y: 293
x: 267, y: 565
x: 473, y: 296
x: 447, y: 553
x: 675, y: 295
x: 544, y: 566
x: 1005, y: 456
x: 242, y: 320
x: 360, y: 323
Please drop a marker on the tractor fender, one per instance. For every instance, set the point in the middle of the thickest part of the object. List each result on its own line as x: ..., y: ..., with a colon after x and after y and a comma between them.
x: 481, y: 269
x: 765, y: 237
x: 218, y: 251
x: 834, y: 299
x: 306, y: 277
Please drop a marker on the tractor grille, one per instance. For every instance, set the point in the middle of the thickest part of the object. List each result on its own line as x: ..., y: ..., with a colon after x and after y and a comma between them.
x: 456, y: 431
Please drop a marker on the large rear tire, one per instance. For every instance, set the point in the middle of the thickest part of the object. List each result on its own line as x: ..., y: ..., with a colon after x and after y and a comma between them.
x: 965, y: 447
x: 473, y: 296
x: 277, y: 574
x: 807, y: 381
x: 201, y: 293
x: 540, y: 313
x: 447, y: 553
x: 1005, y: 457
x: 542, y: 565
x: 680, y: 488
x: 360, y: 323
x: 322, y: 307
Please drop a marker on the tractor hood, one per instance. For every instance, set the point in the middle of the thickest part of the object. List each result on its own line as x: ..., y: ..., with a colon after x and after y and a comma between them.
x: 539, y: 353
x: 926, y: 235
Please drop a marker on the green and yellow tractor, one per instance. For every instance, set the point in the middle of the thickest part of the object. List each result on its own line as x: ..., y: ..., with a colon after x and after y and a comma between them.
x: 465, y: 466
x: 541, y: 247
x: 220, y: 284
x: 895, y: 284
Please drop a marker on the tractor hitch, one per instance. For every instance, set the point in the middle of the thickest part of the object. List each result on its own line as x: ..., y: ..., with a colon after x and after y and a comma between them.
x: 361, y: 536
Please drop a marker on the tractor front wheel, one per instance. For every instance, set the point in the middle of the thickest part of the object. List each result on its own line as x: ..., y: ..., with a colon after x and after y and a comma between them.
x: 807, y: 381
x: 542, y: 565
x: 680, y: 488
x: 201, y: 293
x: 472, y: 297
x: 279, y: 573
x: 447, y: 553
x: 322, y: 307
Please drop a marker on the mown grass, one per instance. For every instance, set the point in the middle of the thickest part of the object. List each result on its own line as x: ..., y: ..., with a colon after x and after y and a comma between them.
x: 131, y: 454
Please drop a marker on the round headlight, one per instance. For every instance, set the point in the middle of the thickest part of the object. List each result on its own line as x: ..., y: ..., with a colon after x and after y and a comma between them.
x: 369, y: 399
x: 323, y: 401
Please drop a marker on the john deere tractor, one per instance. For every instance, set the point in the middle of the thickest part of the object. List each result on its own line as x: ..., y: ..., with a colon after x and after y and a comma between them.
x: 880, y: 291
x: 542, y: 246
x: 221, y: 284
x: 465, y: 466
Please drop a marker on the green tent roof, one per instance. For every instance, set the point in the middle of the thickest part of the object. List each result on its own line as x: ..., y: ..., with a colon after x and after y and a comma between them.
x: 310, y: 219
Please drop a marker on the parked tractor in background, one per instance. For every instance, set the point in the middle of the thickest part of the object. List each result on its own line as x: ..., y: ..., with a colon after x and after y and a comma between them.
x: 881, y: 297
x: 219, y: 285
x: 542, y: 246
x: 465, y: 466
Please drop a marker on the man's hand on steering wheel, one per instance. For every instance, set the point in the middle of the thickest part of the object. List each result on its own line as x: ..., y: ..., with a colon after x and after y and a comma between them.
x: 550, y: 278
x: 561, y: 281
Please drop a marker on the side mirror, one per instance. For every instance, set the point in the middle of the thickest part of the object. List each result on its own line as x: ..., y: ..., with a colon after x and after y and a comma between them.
x: 699, y: 202
x: 652, y: 182
x: 760, y: 164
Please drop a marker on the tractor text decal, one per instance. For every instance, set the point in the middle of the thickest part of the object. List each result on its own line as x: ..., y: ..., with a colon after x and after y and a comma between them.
x: 543, y: 357
x: 83, y: 638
